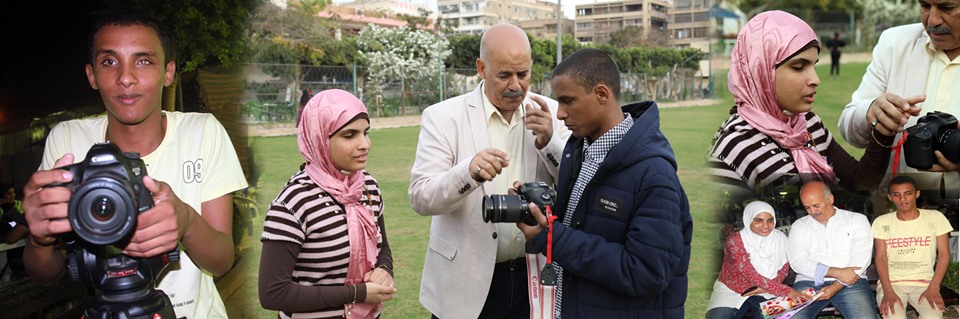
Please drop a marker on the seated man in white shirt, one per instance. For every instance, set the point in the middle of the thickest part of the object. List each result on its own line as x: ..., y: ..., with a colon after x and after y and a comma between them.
x: 830, y: 250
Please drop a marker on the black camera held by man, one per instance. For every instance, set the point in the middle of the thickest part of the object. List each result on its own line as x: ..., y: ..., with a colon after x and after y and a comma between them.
x: 108, y: 195
x: 936, y: 131
x: 513, y: 208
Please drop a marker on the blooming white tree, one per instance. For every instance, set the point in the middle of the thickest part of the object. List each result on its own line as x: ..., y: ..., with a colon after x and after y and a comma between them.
x: 403, y: 54
x: 882, y: 14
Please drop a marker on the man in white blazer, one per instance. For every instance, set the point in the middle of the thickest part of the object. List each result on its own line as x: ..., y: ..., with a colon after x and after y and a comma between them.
x: 915, y: 70
x: 473, y: 145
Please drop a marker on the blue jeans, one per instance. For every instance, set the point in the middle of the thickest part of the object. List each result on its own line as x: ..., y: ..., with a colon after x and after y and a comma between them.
x: 751, y: 305
x: 856, y: 301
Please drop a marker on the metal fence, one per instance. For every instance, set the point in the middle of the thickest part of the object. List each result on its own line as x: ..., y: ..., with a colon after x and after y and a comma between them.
x: 273, y: 90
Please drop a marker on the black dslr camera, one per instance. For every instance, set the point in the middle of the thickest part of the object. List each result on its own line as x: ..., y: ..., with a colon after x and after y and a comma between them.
x: 108, y: 195
x: 935, y: 131
x: 513, y: 208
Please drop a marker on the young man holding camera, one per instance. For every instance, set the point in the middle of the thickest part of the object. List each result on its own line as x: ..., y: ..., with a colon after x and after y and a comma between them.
x: 192, y: 168
x: 622, y: 237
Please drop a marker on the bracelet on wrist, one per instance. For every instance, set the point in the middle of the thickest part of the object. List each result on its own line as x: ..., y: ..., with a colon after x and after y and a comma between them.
x: 873, y: 133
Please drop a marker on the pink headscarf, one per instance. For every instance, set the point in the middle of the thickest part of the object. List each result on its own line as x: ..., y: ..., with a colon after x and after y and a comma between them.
x: 765, y: 41
x: 326, y: 113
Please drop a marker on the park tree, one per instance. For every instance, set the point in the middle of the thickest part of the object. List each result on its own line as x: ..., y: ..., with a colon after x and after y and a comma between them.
x: 805, y: 9
x: 464, y: 50
x: 632, y: 36
x: 404, y: 54
x: 284, y: 41
x: 882, y: 14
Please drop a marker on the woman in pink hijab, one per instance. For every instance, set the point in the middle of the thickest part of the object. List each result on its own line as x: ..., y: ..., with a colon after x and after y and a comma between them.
x: 772, y: 138
x: 325, y: 252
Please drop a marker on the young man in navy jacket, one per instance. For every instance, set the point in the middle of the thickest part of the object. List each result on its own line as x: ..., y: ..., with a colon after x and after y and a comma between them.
x: 621, y: 242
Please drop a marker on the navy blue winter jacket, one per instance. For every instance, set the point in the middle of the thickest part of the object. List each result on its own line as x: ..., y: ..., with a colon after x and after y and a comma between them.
x: 627, y: 250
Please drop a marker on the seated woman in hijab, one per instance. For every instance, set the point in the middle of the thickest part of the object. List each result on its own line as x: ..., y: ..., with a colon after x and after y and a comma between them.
x: 772, y: 138
x: 754, y: 266
x: 325, y: 252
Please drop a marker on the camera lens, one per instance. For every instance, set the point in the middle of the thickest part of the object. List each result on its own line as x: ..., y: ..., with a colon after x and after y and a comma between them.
x: 950, y: 145
x: 504, y: 208
x: 102, y: 209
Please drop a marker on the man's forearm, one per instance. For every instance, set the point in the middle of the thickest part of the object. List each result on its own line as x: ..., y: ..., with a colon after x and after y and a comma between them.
x: 211, y: 249
x: 44, y: 264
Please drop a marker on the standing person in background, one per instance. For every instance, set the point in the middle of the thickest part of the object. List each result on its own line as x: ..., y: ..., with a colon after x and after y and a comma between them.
x: 305, y: 96
x: 835, y: 46
x: 325, y: 251
x: 912, y: 254
x: 192, y: 168
x: 473, y: 145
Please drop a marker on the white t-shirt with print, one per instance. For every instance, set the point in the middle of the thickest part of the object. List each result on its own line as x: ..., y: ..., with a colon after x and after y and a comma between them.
x: 198, y: 161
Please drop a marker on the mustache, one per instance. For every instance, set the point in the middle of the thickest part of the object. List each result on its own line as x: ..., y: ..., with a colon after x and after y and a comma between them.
x: 938, y: 29
x: 512, y: 93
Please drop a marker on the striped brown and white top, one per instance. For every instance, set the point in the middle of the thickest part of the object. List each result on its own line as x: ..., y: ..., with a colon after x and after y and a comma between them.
x: 305, y: 214
x: 743, y: 157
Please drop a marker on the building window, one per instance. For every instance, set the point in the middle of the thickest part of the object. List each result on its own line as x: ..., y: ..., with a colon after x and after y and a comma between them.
x: 584, y: 26
x: 701, y: 16
x: 682, y: 18
x: 634, y: 7
x: 700, y: 32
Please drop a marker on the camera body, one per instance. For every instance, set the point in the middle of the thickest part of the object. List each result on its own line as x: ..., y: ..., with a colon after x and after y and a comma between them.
x: 513, y: 208
x: 108, y: 194
x: 936, y: 131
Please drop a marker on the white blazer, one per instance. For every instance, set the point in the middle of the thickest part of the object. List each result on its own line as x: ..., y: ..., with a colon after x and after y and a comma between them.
x: 900, y: 66
x: 458, y: 267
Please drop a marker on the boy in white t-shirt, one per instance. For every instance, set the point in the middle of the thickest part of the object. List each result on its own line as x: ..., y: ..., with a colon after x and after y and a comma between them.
x: 912, y: 254
x: 192, y: 169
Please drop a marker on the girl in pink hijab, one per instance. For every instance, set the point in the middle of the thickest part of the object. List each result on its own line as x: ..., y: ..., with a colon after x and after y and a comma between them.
x: 772, y: 137
x: 325, y: 252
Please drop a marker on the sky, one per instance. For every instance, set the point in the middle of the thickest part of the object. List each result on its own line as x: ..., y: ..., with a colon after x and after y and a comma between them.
x: 569, y: 6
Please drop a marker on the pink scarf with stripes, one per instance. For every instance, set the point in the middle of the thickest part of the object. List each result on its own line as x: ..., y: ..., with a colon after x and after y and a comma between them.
x: 766, y: 40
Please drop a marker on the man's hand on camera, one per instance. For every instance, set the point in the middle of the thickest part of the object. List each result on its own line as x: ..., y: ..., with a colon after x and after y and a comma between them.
x: 539, y: 120
x: 160, y: 228
x: 487, y: 164
x: 943, y: 164
x: 889, y: 112
x: 46, y: 207
x: 532, y: 231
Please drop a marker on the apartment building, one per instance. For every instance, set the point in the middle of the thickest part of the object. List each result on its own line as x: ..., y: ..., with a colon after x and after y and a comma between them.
x: 691, y: 20
x: 546, y: 28
x: 595, y: 21
x: 475, y: 16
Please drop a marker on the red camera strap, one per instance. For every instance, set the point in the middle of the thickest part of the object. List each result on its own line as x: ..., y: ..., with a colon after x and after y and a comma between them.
x: 896, y: 152
x: 550, y: 219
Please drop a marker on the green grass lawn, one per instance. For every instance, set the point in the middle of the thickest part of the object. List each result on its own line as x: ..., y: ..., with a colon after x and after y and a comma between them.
x: 689, y: 130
